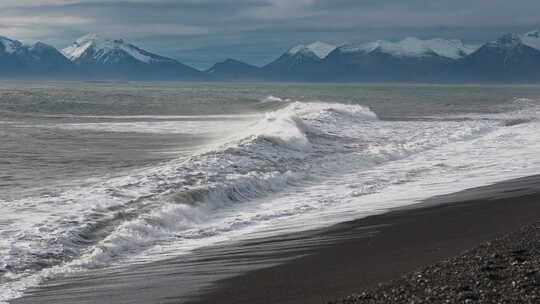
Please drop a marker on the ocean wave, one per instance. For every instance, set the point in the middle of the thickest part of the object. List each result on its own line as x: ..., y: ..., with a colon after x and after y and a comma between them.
x: 196, y: 200
x: 271, y: 98
x: 289, y: 126
x: 123, y: 215
x: 522, y: 100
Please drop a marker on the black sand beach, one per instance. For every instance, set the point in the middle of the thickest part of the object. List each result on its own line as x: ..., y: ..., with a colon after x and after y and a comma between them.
x: 505, y: 270
x: 316, y: 266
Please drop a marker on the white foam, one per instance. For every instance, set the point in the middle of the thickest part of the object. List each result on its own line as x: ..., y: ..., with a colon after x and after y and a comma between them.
x: 272, y: 98
x: 522, y: 100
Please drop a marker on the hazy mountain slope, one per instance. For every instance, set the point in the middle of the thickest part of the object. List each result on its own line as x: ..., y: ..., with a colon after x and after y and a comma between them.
x: 300, y: 63
x: 411, y: 59
x: 34, y: 61
x: 507, y: 59
x: 231, y: 69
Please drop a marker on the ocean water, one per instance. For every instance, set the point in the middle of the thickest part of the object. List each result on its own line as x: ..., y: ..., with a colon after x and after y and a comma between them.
x: 95, y: 175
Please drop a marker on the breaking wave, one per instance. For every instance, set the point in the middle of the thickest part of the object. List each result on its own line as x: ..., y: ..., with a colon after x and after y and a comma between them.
x: 223, y: 191
x: 93, y: 225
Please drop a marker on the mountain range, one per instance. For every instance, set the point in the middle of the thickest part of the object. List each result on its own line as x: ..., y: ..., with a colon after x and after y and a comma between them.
x: 511, y: 58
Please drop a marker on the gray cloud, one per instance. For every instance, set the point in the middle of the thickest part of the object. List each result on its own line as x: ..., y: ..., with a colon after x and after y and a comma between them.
x: 201, y: 32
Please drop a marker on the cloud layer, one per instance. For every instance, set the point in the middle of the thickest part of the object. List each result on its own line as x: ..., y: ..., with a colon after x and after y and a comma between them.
x: 201, y: 32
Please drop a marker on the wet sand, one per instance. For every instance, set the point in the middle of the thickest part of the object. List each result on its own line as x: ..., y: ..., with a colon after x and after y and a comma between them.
x: 315, y: 266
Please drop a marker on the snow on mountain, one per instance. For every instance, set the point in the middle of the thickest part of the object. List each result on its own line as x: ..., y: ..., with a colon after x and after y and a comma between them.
x: 414, y: 47
x: 104, y: 58
x: 512, y: 41
x: 33, y: 61
x: 102, y: 50
x: 507, y: 59
x: 531, y: 39
x: 29, y: 53
x: 319, y: 49
x: 507, y: 42
x: 10, y: 46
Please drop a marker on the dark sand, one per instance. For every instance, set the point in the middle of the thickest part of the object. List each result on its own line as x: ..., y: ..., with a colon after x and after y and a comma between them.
x: 505, y: 270
x: 315, y: 266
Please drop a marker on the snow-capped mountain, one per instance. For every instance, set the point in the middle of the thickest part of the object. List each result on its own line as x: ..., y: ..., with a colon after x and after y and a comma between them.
x: 232, y: 69
x: 116, y: 58
x: 38, y: 60
x: 8, y: 46
x: 96, y: 49
x: 316, y: 50
x: 47, y: 60
x: 10, y: 62
x: 510, y: 58
x: 414, y: 47
x: 410, y: 59
x: 301, y: 54
x: 298, y: 63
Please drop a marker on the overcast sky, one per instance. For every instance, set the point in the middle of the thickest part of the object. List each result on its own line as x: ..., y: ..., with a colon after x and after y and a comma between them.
x: 202, y: 32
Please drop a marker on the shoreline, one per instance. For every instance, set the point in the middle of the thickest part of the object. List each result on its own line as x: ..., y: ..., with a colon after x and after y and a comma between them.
x: 315, y: 266
x: 399, y: 241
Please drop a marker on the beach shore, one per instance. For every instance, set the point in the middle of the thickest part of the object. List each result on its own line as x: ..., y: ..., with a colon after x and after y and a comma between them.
x: 316, y: 266
x: 505, y: 270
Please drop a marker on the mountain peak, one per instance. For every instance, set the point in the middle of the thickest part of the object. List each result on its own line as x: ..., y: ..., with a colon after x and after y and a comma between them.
x: 8, y: 45
x: 232, y: 62
x: 512, y: 40
x: 79, y: 47
x: 105, y: 50
x: 233, y: 69
x: 95, y: 38
x: 41, y: 46
x: 318, y: 49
